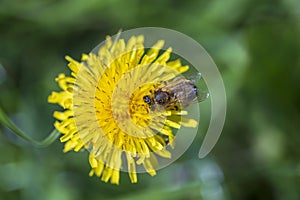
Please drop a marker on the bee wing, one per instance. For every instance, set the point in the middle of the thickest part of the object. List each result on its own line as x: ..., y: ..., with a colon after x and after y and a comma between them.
x: 195, y: 78
x: 202, y: 95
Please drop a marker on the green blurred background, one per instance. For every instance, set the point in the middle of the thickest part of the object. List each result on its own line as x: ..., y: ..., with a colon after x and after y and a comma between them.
x: 256, y: 46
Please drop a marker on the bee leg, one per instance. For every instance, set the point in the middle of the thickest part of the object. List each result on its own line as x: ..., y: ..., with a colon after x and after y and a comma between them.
x: 175, y: 107
x: 152, y: 108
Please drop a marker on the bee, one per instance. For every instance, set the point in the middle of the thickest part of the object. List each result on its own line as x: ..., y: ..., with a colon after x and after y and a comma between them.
x: 176, y: 92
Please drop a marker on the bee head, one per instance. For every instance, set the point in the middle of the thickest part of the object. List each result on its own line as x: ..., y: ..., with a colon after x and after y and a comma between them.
x: 147, y: 99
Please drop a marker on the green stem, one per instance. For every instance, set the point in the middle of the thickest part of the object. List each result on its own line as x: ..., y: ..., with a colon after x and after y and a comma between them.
x: 44, y: 143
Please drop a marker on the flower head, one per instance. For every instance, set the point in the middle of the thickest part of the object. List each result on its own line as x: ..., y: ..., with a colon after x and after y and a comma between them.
x: 105, y: 111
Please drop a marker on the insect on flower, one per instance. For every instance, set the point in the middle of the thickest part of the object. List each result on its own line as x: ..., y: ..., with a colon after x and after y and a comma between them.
x: 176, y: 92
x: 107, y: 101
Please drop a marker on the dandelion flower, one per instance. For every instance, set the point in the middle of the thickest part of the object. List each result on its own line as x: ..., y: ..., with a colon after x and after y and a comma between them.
x: 104, y: 111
